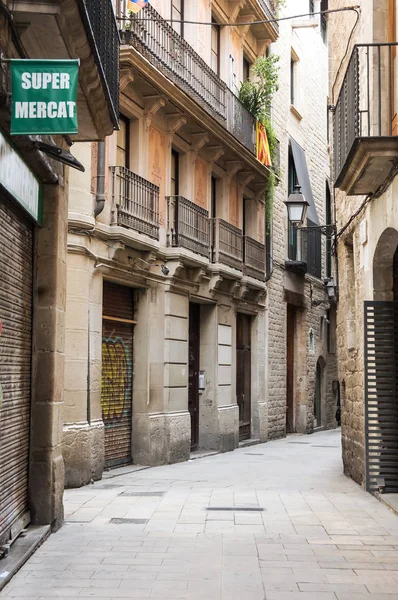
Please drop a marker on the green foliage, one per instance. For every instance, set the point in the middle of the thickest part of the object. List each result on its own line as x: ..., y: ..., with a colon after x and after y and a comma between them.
x: 277, y: 5
x: 257, y: 96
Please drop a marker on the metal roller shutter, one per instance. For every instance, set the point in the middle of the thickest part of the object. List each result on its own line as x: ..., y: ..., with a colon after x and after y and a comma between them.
x: 16, y: 274
x: 117, y: 372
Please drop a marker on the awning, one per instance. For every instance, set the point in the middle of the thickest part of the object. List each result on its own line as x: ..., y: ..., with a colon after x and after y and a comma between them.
x: 300, y: 163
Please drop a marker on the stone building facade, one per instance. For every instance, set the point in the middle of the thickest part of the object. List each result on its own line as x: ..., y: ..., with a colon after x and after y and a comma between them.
x: 367, y: 218
x: 33, y: 230
x: 301, y: 315
x: 175, y: 333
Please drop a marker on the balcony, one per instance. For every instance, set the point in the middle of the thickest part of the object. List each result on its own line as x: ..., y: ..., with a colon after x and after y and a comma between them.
x: 227, y: 244
x: 135, y: 202
x: 297, y: 251
x: 254, y: 258
x: 188, y: 225
x: 155, y: 39
x: 365, y: 120
x: 268, y: 10
x: 84, y: 29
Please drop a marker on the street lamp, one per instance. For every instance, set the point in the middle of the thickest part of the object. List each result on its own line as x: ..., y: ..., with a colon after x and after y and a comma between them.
x: 296, y: 207
x: 296, y: 211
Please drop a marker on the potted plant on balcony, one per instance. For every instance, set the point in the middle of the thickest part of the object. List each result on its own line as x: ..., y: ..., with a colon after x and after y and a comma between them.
x: 257, y: 96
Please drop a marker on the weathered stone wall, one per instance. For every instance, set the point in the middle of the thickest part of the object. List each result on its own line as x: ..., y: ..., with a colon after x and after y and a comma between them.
x: 356, y: 252
x: 306, y: 123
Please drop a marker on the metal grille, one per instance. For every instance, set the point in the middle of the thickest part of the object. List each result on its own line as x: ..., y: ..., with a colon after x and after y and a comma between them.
x: 105, y: 44
x: 227, y: 244
x: 254, y: 258
x: 240, y: 122
x: 267, y: 8
x: 162, y: 45
x: 188, y: 225
x: 314, y: 250
x: 136, y: 202
x: 170, y: 52
x: 16, y: 273
x: 117, y: 372
x: 381, y: 396
x: 365, y: 105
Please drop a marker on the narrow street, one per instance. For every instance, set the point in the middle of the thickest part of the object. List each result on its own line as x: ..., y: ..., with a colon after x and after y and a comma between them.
x: 308, y: 532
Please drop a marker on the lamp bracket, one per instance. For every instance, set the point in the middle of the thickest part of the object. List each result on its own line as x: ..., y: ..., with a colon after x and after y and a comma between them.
x: 328, y: 230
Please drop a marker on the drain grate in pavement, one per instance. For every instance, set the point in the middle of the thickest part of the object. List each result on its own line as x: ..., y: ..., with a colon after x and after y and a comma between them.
x: 143, y: 494
x: 121, y: 521
x: 236, y: 508
x: 253, y: 454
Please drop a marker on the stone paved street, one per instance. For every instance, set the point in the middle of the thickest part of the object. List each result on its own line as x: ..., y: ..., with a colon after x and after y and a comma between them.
x: 318, y: 535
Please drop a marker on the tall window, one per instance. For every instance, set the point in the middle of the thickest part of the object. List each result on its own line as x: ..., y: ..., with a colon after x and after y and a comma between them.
x: 122, y: 152
x: 293, y: 232
x: 246, y: 69
x: 174, y: 173
x: 177, y: 15
x: 215, y: 47
x: 328, y: 211
x: 324, y: 20
x: 292, y: 78
x: 312, y: 7
x: 213, y: 197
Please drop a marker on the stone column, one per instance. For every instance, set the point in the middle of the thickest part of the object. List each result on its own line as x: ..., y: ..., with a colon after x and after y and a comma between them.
x: 46, y: 476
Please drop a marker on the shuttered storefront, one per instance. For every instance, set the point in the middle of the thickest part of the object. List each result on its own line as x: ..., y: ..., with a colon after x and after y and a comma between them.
x: 16, y: 271
x: 117, y: 372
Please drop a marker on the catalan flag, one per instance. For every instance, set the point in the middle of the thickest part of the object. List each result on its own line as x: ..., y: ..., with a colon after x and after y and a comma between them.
x: 136, y: 5
x: 263, y: 153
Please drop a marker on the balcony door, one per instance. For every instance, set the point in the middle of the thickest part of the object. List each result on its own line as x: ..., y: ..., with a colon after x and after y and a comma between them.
x: 177, y: 16
x: 123, y: 136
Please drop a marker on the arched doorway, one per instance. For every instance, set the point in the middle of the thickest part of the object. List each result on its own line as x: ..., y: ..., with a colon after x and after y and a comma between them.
x: 381, y: 369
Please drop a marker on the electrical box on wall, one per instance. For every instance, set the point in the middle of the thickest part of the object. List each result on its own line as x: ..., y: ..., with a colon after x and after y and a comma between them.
x: 202, y: 381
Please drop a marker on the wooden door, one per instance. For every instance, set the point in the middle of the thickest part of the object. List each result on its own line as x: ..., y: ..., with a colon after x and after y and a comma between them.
x: 291, y: 326
x: 193, y: 383
x: 243, y: 374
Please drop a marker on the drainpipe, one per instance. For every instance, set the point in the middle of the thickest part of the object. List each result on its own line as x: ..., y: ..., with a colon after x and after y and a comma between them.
x: 100, y: 195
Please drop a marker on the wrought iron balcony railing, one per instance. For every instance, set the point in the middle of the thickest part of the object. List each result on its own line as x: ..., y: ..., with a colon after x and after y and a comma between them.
x: 268, y: 10
x: 135, y: 202
x: 254, y: 258
x: 155, y: 39
x: 227, y: 244
x: 366, y: 106
x: 105, y: 44
x: 188, y: 225
x: 305, y: 250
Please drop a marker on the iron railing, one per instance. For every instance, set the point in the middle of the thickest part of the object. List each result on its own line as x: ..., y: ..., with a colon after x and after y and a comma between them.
x: 104, y: 38
x: 240, y: 122
x: 155, y: 39
x: 135, y: 202
x: 254, y: 258
x: 187, y: 225
x: 305, y: 248
x: 227, y: 244
x: 366, y: 105
x: 166, y: 49
x: 268, y: 10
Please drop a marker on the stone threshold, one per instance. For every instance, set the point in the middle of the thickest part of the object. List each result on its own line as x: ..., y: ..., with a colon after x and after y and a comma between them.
x: 21, y: 550
x: 196, y: 454
x: 119, y: 471
x: 248, y: 443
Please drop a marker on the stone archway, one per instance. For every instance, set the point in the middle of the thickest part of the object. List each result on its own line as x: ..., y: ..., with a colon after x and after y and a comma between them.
x: 385, y: 267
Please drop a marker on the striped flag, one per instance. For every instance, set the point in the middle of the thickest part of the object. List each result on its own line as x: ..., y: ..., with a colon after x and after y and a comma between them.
x: 263, y: 153
x: 136, y: 5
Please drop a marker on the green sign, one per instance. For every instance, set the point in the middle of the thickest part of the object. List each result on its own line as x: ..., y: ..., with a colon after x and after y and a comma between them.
x: 44, y: 95
x: 19, y: 181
